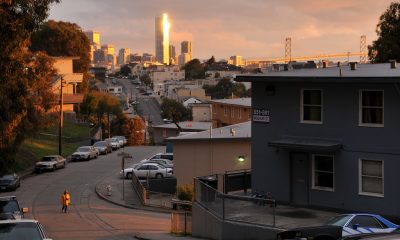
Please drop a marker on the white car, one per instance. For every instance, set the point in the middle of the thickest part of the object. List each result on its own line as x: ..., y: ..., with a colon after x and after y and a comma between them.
x: 51, y: 162
x: 84, y: 153
x: 22, y: 229
x: 114, y: 143
x: 168, y: 156
x: 164, y: 162
x: 143, y: 170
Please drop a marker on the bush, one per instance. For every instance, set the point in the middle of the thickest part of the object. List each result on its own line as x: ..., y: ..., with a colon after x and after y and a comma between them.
x: 185, y: 192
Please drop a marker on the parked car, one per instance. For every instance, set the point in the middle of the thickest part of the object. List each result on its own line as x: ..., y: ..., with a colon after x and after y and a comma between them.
x: 164, y: 162
x: 114, y: 143
x: 10, y: 209
x: 122, y: 140
x: 22, y: 229
x: 84, y: 153
x: 102, y: 147
x: 9, y: 182
x: 395, y: 235
x: 51, y: 162
x: 349, y: 224
x: 168, y: 156
x: 142, y: 170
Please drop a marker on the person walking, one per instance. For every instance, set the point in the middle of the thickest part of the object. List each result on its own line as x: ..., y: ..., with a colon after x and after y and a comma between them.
x: 65, y: 201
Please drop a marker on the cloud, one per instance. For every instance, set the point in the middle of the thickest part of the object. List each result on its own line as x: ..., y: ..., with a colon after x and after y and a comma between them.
x: 255, y: 28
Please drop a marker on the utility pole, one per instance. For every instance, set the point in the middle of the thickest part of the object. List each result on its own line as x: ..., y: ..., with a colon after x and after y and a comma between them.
x: 60, y: 125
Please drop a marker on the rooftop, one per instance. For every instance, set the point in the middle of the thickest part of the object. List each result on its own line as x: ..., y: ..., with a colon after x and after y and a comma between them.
x: 235, y: 101
x: 188, y: 125
x: 237, y: 131
x: 343, y: 74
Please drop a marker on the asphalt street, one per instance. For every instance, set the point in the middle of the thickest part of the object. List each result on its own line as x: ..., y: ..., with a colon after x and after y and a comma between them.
x: 88, y: 216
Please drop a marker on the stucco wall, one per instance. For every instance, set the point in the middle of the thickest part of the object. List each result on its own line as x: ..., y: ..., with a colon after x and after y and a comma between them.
x: 201, y: 158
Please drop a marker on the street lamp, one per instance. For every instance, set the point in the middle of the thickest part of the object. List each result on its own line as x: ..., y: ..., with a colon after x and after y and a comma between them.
x: 61, y: 115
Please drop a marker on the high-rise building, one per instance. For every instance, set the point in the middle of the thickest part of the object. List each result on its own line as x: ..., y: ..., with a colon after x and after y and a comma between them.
x: 183, y: 59
x: 236, y: 60
x: 172, y: 54
x: 124, y: 56
x: 186, y: 47
x: 108, y: 48
x: 94, y: 38
x: 162, y: 39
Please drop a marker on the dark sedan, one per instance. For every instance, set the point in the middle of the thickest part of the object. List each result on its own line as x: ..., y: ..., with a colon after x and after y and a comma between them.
x: 9, y: 182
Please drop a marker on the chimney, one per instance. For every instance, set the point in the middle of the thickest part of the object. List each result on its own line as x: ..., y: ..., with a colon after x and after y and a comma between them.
x: 338, y: 64
x: 392, y: 64
x: 324, y: 64
x: 353, y: 66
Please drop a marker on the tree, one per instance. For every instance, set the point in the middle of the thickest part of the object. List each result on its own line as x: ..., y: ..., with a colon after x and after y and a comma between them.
x: 194, y: 69
x: 225, y: 88
x: 25, y: 92
x: 175, y: 111
x: 387, y: 46
x: 134, y: 130
x: 125, y: 70
x: 210, y: 61
x: 65, y: 39
x: 146, y: 80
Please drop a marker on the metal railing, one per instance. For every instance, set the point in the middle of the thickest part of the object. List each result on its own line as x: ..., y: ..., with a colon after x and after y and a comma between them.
x: 139, y: 188
x: 238, y: 208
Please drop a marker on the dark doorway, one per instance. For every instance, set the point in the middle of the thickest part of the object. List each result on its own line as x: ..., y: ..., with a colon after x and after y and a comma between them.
x: 299, y: 163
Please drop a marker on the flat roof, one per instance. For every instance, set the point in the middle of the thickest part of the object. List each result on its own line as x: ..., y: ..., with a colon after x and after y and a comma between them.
x: 241, y: 130
x: 368, y: 73
x: 187, y: 125
x: 246, y: 102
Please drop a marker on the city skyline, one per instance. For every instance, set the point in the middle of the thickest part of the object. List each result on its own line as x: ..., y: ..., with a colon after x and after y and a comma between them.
x: 253, y: 29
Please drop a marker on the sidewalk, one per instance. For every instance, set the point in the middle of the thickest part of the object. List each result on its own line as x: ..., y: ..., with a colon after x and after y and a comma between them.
x: 131, y: 200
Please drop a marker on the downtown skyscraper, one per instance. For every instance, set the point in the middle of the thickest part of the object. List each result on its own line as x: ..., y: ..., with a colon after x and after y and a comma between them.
x: 162, y: 39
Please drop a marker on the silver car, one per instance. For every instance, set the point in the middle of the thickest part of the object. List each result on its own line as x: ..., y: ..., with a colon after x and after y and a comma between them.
x: 84, y: 153
x: 152, y: 170
x: 51, y: 162
x: 22, y: 229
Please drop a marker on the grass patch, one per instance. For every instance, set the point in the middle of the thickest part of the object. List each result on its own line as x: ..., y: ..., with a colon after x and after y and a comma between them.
x: 70, y: 130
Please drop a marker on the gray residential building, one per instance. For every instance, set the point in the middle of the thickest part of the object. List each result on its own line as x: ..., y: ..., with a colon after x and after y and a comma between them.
x: 328, y: 137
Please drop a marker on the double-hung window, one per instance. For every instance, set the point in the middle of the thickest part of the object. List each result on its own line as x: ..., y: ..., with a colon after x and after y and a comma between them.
x: 311, y: 106
x: 371, y: 108
x: 232, y: 112
x: 371, y: 180
x: 323, y: 172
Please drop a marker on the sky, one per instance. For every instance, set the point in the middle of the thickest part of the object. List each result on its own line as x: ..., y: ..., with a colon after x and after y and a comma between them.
x: 223, y: 28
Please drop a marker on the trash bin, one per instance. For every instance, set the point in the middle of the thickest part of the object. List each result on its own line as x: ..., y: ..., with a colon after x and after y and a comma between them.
x: 209, y: 189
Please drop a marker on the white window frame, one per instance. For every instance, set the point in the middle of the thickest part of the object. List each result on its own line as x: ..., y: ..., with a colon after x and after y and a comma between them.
x: 360, y: 192
x: 360, y: 107
x: 302, y: 106
x: 313, y: 174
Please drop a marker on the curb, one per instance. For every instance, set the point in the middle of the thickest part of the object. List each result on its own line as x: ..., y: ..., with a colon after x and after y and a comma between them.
x: 145, y: 208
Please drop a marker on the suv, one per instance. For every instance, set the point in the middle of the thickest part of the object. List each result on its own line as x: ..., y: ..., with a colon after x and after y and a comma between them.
x: 9, y: 208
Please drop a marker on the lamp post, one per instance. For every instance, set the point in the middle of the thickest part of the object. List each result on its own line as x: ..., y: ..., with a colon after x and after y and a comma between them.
x: 60, y: 125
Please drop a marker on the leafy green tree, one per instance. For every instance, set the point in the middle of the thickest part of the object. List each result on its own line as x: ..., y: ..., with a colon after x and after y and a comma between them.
x: 146, y: 80
x: 175, y: 111
x: 225, y: 88
x: 194, y: 69
x: 25, y: 91
x: 89, y: 105
x: 65, y: 39
x: 387, y: 46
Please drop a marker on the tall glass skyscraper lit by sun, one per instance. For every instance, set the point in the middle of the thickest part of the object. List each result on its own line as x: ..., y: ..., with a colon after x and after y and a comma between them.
x: 162, y: 39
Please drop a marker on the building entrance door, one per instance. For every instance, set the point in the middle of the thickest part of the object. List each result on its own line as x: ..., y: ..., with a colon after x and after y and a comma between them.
x: 299, y: 163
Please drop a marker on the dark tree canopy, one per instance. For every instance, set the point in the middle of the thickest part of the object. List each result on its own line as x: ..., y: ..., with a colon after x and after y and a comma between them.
x: 125, y: 70
x: 25, y: 91
x: 175, y: 111
x: 387, y: 46
x: 225, y: 88
x: 64, y: 39
x: 194, y: 69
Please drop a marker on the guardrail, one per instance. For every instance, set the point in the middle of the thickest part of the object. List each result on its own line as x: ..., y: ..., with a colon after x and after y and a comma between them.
x: 139, y: 188
x: 238, y: 208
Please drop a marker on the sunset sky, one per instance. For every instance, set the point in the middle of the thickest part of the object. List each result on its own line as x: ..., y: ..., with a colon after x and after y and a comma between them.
x: 250, y: 28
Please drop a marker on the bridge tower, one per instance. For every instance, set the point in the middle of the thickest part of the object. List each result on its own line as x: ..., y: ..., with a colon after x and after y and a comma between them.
x: 363, y: 49
x: 288, y: 50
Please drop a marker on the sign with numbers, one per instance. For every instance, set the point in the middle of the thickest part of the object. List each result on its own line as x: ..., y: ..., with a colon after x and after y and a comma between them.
x: 261, y: 115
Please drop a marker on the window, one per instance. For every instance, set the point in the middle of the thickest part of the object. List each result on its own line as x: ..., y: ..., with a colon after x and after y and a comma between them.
x: 365, y: 221
x: 371, y: 108
x: 239, y: 113
x: 311, y: 106
x: 323, y: 172
x: 225, y: 111
x: 164, y: 133
x: 214, y: 110
x: 232, y: 112
x: 371, y: 177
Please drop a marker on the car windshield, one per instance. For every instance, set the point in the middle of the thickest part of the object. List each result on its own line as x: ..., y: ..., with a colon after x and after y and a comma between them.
x: 20, y: 231
x: 99, y: 144
x: 9, y: 206
x: 339, y: 220
x: 83, y: 149
x: 47, y: 159
x: 7, y: 177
